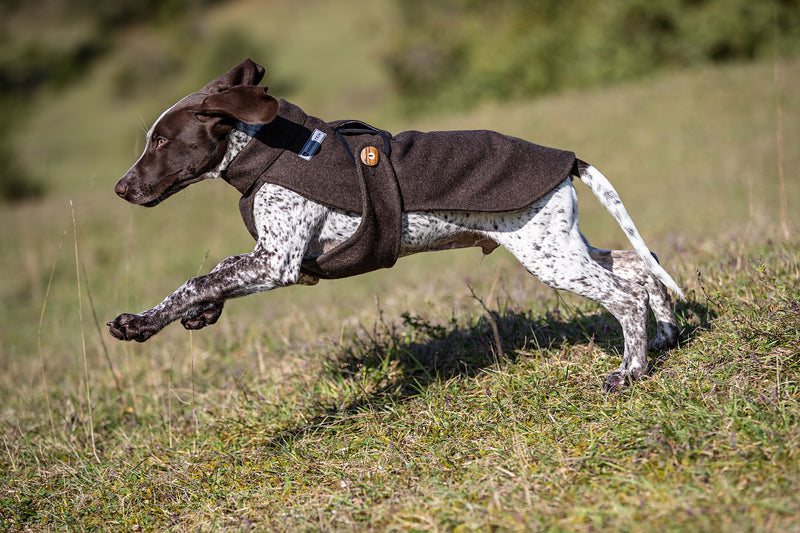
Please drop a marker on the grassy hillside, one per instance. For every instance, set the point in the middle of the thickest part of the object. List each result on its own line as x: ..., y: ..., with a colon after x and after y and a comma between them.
x: 384, y: 402
x: 419, y: 424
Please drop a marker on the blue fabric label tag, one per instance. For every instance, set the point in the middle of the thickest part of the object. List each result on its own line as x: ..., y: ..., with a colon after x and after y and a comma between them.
x: 312, y: 145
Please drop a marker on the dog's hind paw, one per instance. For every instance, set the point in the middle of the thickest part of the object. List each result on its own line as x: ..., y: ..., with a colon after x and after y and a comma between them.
x: 616, y: 381
x: 666, y: 337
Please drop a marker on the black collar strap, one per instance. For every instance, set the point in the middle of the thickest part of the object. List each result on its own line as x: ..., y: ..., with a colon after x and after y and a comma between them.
x: 283, y: 133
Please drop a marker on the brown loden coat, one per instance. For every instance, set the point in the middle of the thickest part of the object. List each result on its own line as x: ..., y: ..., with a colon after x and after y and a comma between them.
x: 415, y: 171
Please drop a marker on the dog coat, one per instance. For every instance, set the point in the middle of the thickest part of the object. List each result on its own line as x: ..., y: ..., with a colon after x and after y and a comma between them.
x: 351, y: 166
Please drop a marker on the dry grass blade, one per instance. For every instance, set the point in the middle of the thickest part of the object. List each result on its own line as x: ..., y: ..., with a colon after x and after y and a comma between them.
x: 89, y: 405
x: 39, y: 332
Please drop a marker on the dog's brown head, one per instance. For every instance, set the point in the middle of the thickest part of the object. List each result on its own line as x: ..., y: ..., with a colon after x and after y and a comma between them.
x: 190, y: 139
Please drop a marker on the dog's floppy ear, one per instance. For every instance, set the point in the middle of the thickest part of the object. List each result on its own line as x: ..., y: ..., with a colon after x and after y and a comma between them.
x: 245, y: 73
x: 247, y: 103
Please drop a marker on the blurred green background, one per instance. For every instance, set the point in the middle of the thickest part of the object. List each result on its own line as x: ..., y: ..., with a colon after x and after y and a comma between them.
x: 411, y: 56
x: 687, y: 105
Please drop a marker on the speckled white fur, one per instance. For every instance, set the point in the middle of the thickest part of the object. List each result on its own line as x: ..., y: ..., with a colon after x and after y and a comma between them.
x: 544, y: 237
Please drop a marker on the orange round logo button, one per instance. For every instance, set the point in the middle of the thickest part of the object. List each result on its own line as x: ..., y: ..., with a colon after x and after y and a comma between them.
x: 369, y: 156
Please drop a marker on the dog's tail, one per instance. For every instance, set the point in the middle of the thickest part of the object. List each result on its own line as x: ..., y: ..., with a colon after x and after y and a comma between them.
x: 608, y: 196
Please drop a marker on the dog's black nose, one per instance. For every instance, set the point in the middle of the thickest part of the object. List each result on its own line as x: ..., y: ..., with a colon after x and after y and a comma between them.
x: 121, y: 188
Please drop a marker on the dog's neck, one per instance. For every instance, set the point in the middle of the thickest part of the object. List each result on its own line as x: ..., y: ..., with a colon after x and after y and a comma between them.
x: 240, y: 135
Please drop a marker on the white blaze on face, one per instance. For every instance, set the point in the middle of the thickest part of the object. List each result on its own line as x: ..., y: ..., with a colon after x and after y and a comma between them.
x: 239, y: 136
x: 148, y: 138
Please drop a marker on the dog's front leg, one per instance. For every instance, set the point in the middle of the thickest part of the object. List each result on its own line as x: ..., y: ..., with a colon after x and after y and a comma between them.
x: 201, y: 299
x: 286, y: 224
x: 208, y: 313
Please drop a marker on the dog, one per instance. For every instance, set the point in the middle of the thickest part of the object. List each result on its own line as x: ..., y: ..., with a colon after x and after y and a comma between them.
x: 219, y: 132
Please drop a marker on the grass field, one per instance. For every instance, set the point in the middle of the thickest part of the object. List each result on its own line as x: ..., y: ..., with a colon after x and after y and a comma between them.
x: 387, y: 402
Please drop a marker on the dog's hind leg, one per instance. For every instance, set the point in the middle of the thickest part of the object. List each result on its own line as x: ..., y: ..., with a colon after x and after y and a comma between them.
x: 627, y: 264
x: 550, y: 246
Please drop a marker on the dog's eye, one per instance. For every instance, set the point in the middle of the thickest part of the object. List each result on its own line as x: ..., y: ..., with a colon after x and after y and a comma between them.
x: 158, y: 142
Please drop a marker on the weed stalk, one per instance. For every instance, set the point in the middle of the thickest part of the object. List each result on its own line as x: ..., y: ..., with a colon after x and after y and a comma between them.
x: 83, y: 336
x: 39, y: 331
x: 117, y: 382
x: 191, y: 352
x: 499, y: 353
x: 779, y: 128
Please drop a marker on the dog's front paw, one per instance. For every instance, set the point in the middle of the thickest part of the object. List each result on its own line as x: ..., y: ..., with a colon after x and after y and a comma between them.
x: 129, y: 327
x: 203, y: 316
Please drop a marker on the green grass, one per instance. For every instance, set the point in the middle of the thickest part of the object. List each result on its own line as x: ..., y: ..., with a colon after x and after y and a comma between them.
x: 387, y: 401
x: 417, y: 424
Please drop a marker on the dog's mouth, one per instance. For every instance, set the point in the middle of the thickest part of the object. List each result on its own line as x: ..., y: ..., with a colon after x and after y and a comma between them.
x: 149, y: 196
x: 176, y: 186
x: 153, y: 203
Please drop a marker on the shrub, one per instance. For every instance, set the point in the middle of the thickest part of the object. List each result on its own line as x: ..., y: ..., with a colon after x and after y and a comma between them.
x: 454, y: 53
